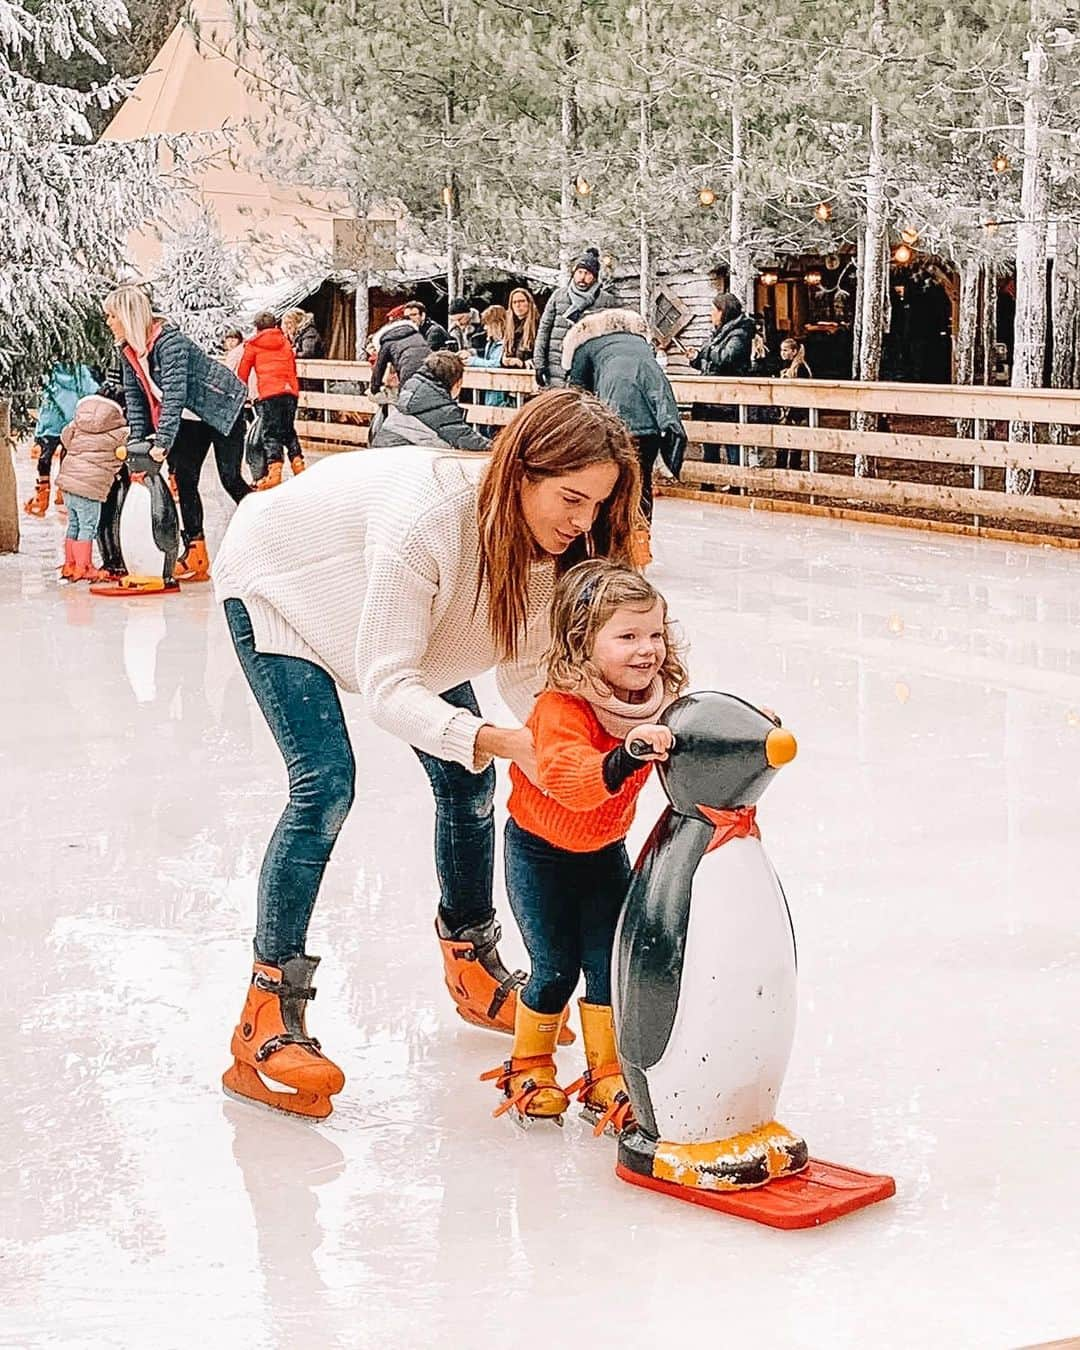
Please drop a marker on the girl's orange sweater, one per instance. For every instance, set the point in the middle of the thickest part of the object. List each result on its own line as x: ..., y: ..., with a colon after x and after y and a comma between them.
x: 572, y: 807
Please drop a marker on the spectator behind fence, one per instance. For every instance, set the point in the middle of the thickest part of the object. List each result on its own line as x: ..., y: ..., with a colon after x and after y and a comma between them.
x: 519, y: 331
x: 494, y: 321
x: 400, y: 347
x: 466, y: 331
x: 299, y: 327
x: 727, y: 352
x: 565, y: 307
x: 434, y: 334
x: 427, y: 411
x: 793, y: 354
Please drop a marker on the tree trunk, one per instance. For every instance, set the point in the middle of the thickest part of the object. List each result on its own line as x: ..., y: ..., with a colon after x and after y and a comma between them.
x: 9, y: 492
x: 876, y: 276
x: 1029, y: 344
x: 1065, y: 302
x: 645, y: 263
x: 740, y: 268
x: 856, y: 324
x: 569, y: 150
x: 988, y: 322
x: 362, y: 313
x: 967, y: 333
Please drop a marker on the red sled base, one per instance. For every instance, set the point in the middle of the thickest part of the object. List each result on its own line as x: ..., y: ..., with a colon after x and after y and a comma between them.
x: 819, y: 1194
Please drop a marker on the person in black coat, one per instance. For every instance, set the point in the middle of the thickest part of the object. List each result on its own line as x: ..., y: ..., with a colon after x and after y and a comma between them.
x: 466, y: 332
x: 434, y: 334
x: 610, y: 354
x: 727, y: 352
x: 402, y: 346
x: 427, y: 411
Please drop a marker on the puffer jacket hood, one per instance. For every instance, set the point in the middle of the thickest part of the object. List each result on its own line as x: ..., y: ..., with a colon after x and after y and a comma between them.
x: 599, y: 324
x: 424, y: 400
x: 96, y: 414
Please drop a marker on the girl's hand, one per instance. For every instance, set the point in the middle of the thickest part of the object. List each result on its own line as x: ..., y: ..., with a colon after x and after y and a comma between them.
x: 658, y: 739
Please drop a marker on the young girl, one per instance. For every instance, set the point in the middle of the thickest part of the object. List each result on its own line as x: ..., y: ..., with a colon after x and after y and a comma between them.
x: 612, y: 669
x: 793, y: 354
x: 86, y: 476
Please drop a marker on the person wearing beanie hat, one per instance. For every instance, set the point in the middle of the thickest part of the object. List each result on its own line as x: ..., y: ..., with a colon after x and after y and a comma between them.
x: 567, y: 305
x: 466, y: 332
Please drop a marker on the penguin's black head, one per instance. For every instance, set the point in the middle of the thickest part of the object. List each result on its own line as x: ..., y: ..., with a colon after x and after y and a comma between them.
x: 725, y: 753
x: 138, y: 458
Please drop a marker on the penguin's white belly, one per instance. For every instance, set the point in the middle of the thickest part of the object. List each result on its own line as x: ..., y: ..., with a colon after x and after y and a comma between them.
x: 724, y: 1063
x: 142, y: 557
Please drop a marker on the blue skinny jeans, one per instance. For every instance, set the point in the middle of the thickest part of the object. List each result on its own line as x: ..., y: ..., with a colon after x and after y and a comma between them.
x: 303, y: 711
x: 567, y: 906
x: 84, y: 516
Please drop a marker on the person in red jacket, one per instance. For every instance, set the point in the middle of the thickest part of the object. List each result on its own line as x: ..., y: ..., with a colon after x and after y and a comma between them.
x: 612, y: 669
x: 270, y: 354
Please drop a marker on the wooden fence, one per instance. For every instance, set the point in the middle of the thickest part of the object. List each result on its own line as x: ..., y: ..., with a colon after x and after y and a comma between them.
x: 923, y: 471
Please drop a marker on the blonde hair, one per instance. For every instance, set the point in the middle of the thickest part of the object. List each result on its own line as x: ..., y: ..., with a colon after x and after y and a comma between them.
x: 559, y: 432
x: 494, y: 317
x: 791, y: 370
x: 585, y: 599
x: 131, y: 305
x: 527, y: 325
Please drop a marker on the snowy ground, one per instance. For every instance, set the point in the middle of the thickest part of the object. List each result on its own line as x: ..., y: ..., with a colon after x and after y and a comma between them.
x: 926, y: 837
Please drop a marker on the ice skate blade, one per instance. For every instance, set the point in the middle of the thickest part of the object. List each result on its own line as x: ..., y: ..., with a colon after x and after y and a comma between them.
x: 818, y: 1194
x: 525, y: 1123
x: 243, y: 1084
x: 594, y: 1117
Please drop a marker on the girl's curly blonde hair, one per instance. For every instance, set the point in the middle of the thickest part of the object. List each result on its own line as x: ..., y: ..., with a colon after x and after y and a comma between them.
x: 585, y: 598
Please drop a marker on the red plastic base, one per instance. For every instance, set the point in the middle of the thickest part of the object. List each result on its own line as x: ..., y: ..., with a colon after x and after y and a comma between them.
x: 822, y: 1193
x: 112, y: 588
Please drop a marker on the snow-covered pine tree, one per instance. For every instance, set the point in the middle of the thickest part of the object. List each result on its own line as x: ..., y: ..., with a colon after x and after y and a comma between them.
x: 66, y: 206
x: 198, y: 282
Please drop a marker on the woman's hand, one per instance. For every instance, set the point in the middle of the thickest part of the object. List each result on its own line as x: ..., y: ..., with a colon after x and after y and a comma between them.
x: 658, y: 738
x: 512, y: 743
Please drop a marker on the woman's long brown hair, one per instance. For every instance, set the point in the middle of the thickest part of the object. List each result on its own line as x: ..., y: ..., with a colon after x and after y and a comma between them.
x: 526, y: 334
x: 559, y: 432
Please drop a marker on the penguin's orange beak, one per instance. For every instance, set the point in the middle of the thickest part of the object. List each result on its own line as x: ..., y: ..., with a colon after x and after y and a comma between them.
x: 780, y: 747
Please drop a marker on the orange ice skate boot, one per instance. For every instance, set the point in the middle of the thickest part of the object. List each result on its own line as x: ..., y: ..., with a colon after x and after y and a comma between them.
x: 271, y: 1042
x: 38, y: 504
x: 195, y: 564
x: 272, y: 478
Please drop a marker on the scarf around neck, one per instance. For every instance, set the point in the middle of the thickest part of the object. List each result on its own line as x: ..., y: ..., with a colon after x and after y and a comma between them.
x: 619, y: 718
x: 581, y: 300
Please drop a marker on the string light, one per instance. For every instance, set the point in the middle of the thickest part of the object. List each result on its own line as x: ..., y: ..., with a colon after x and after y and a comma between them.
x: 990, y: 226
x: 706, y: 196
x: 895, y: 625
x: 447, y: 197
x: 769, y: 278
x: 823, y: 211
x: 607, y: 262
x: 1001, y: 162
x: 813, y: 278
x: 582, y: 185
x: 902, y: 254
x: 832, y: 261
x: 910, y: 235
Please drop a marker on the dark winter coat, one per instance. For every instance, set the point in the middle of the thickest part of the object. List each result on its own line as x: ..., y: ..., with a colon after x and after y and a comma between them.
x: 471, y: 338
x: 91, y: 441
x: 307, y: 342
x: 402, y: 346
x: 425, y: 414
x: 610, y: 355
x: 187, y: 378
x: 434, y: 334
x: 561, y: 312
x: 727, y: 352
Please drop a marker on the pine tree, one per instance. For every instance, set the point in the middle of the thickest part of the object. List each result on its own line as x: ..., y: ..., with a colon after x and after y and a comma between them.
x: 66, y: 206
x: 199, y: 279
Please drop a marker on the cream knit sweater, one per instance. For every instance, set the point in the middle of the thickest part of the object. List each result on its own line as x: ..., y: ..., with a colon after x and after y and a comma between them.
x: 367, y: 565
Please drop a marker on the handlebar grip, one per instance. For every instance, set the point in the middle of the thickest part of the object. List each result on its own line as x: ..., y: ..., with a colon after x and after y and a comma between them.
x: 639, y: 749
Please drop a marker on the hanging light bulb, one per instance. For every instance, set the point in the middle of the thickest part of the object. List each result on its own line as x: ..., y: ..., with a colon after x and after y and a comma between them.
x: 607, y: 262
x: 832, y: 261
x: 447, y: 197
x: 1001, y: 162
x: 769, y: 278
x: 902, y: 254
x: 910, y: 235
x: 582, y: 185
x: 990, y: 226
x: 823, y: 211
x: 706, y: 196
x: 813, y: 278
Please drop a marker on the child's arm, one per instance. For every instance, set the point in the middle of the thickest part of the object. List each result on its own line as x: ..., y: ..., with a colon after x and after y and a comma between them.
x: 570, y: 768
x: 644, y: 745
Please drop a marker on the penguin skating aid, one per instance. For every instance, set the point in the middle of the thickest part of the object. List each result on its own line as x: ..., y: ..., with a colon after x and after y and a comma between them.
x: 705, y: 978
x: 144, y: 531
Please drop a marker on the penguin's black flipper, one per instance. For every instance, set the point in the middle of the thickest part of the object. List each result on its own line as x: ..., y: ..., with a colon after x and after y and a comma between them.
x: 164, y: 522
x: 651, y: 944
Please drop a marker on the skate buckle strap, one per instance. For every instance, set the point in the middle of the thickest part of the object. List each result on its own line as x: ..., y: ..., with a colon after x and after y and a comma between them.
x: 591, y: 1077
x: 526, y: 1090
x: 279, y: 987
x: 276, y: 1043
x: 516, y: 980
x: 618, y: 1115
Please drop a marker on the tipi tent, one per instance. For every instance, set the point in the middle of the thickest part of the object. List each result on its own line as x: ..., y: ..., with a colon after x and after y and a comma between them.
x: 200, y: 82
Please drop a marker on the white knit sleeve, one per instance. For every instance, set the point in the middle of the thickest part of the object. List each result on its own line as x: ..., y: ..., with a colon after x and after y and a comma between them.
x: 391, y: 642
x: 519, y: 682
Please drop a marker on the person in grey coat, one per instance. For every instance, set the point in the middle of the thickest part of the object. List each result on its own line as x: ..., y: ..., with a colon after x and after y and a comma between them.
x: 610, y: 354
x: 427, y: 411
x: 564, y: 308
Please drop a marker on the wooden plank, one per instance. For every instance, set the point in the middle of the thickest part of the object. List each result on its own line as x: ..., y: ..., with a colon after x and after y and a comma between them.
x: 334, y: 370
x: 317, y: 398
x: 887, y: 492
x: 346, y: 432
x: 481, y: 415
x: 887, y: 445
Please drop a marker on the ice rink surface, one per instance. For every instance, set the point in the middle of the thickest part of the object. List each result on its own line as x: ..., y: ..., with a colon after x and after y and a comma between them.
x: 926, y: 836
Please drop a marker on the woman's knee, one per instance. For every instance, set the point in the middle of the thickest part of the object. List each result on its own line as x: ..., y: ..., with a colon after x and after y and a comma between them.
x: 324, y: 793
x: 467, y: 797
